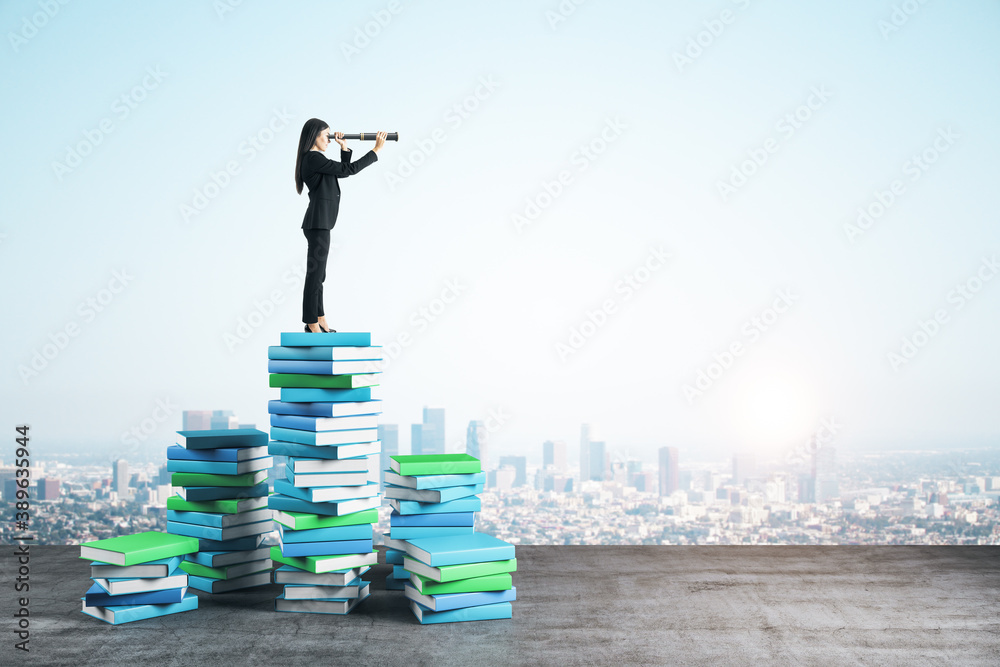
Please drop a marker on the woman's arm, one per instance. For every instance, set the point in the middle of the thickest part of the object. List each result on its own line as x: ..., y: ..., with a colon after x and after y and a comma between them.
x: 323, y: 165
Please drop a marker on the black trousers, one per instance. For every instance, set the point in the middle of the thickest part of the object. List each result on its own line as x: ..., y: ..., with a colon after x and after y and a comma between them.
x: 312, y: 291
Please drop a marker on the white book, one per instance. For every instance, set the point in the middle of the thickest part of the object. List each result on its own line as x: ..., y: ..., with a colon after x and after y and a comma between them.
x: 100, y: 570
x: 286, y: 574
x: 345, y: 409
x: 309, y: 466
x: 324, y: 353
x: 394, y: 543
x: 313, y: 479
x: 348, y: 561
x: 319, y: 606
x: 297, y: 592
x: 123, y: 586
x: 325, y: 423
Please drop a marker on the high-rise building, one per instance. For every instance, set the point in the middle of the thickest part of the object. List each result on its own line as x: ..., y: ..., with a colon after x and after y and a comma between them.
x: 824, y: 473
x: 388, y: 434
x: 197, y: 420
x: 554, y: 455
x: 224, y: 419
x: 417, y: 439
x: 435, y: 418
x: 585, y: 451
x: 475, y: 442
x: 744, y: 467
x: 163, y: 476
x: 48, y: 489
x: 520, y: 466
x: 669, y: 477
x: 598, y: 466
x: 119, y: 478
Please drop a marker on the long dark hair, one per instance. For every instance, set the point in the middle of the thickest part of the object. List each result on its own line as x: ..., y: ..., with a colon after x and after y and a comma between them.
x: 310, y: 131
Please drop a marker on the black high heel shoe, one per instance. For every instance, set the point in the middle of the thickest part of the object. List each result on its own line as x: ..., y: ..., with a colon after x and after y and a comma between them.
x: 327, y: 330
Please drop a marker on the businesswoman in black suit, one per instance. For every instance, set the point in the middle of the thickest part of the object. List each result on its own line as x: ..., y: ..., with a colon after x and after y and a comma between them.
x: 322, y: 175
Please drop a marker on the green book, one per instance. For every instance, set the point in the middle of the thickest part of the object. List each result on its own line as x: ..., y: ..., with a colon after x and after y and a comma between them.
x: 208, y: 479
x: 324, y: 381
x: 321, y: 564
x: 448, y: 573
x: 228, y: 572
x: 229, y: 506
x: 434, y: 464
x: 304, y: 521
x: 491, y: 582
x: 138, y: 548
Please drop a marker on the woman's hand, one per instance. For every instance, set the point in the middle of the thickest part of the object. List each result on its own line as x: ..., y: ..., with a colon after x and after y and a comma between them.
x: 339, y: 138
x: 379, y: 141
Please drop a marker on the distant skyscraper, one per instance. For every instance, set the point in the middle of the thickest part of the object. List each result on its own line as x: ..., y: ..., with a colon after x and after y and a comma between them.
x: 434, y: 417
x: 163, y: 477
x: 598, y: 467
x: 119, y: 478
x: 824, y: 473
x: 554, y: 455
x: 669, y: 483
x: 48, y: 489
x: 744, y: 466
x: 585, y: 451
x: 475, y: 442
x: 224, y: 419
x: 416, y: 439
x: 197, y: 420
x: 520, y: 466
x: 389, y: 435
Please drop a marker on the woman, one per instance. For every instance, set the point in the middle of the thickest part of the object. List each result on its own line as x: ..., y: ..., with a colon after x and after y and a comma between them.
x: 321, y: 175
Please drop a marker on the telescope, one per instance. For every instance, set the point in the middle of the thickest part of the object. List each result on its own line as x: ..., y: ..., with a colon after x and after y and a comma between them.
x: 367, y: 136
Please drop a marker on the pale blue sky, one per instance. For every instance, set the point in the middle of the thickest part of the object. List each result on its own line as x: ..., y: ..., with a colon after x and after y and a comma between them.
x: 221, y: 78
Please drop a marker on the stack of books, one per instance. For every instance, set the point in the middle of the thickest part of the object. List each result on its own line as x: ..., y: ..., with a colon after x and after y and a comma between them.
x: 432, y: 495
x: 326, y: 425
x: 222, y: 479
x: 137, y: 577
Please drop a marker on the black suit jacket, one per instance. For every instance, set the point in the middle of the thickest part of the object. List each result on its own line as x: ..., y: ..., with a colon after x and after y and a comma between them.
x: 321, y: 175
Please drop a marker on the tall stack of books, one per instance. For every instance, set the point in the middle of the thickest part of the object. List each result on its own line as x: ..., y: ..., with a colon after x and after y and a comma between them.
x: 222, y: 479
x: 432, y: 495
x: 326, y: 424
x: 137, y: 577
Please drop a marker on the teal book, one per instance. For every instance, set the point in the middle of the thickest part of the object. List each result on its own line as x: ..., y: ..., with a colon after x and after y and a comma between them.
x: 459, y: 600
x: 138, y: 548
x: 312, y: 479
x: 421, y: 482
x: 412, y: 532
x: 327, y: 494
x: 287, y: 380
x: 221, y: 438
x: 228, y: 572
x: 434, y: 464
x: 304, y: 423
x: 210, y: 585
x: 394, y: 556
x: 281, y: 502
x: 470, y: 504
x: 117, y: 615
x: 227, y: 506
x: 433, y: 520
x: 323, y: 368
x: 206, y: 479
x: 301, y: 521
x: 197, y: 494
x: 220, y: 534
x: 461, y: 571
x: 320, y: 606
x: 161, y: 567
x: 324, y: 353
x: 325, y: 438
x: 486, y: 612
x: 321, y: 564
x: 314, y: 339
x: 219, y: 520
x: 325, y: 410
x: 233, y: 454
x: 328, y: 453
x: 361, y: 531
x: 442, y: 495
x: 459, y: 549
x: 490, y: 582
x: 288, y: 575
x: 226, y: 558
x: 314, y: 395
x: 220, y: 467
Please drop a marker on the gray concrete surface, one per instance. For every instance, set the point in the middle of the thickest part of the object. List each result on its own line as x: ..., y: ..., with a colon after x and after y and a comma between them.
x: 576, y: 606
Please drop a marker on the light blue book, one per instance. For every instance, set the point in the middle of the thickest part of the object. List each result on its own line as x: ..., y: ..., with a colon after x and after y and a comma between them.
x: 220, y: 467
x: 339, y: 548
x: 348, y: 409
x: 240, y: 544
x: 295, y: 449
x: 286, y: 574
x: 320, y: 395
x: 325, y: 438
x: 313, y: 339
x: 309, y: 367
x: 304, y: 423
x: 98, y: 597
x: 227, y: 558
x: 321, y: 605
x: 209, y: 585
x: 442, y: 495
x: 151, y: 569
x: 326, y: 494
x: 440, y: 519
x: 128, y: 613
x: 362, y: 531
x: 221, y: 438
x: 394, y: 556
x: 470, y: 504
x: 286, y: 503
x: 324, y: 353
x: 214, y: 520
x: 199, y: 493
x: 399, y: 573
x: 421, y: 482
x: 411, y: 532
x: 219, y: 534
x: 179, y: 453
x: 459, y: 549
x: 446, y: 602
x: 486, y: 612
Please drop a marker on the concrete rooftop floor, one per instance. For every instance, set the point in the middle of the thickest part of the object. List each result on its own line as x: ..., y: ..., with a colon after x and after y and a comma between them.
x: 577, y: 605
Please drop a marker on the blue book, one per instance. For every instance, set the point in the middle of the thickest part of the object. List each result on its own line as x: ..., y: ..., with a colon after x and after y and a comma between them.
x: 324, y: 353
x: 295, y: 449
x: 98, y: 597
x: 227, y: 558
x: 285, y: 503
x: 304, y: 423
x: 421, y: 482
x: 486, y: 612
x: 313, y: 339
x: 326, y: 494
x: 220, y: 467
x: 441, y: 495
x: 179, y: 453
x: 221, y: 438
x: 215, y: 520
x: 411, y: 532
x: 199, y: 493
x: 241, y: 544
x: 442, y: 519
x: 459, y: 549
x: 219, y: 534
x: 448, y: 601
x: 398, y: 572
x: 116, y: 615
x: 348, y: 409
x: 340, y: 548
x: 470, y: 504
x: 394, y: 584
x: 155, y: 568
x: 362, y: 531
x: 325, y: 438
x: 309, y: 367
x: 209, y: 585
x: 319, y: 395
x: 305, y: 480
x: 394, y: 556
